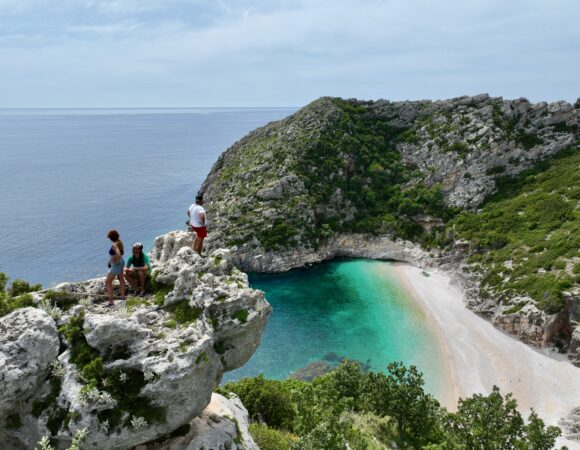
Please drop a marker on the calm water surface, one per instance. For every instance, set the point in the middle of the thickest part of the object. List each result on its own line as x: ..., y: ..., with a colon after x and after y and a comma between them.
x: 354, y: 309
x: 68, y: 176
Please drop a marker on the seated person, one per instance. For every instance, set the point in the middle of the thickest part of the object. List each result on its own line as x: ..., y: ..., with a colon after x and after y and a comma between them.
x: 137, y: 275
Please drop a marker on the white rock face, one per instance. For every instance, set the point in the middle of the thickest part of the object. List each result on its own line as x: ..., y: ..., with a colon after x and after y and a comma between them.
x: 28, y: 345
x: 166, y: 357
x: 223, y: 425
x: 250, y: 258
x: 343, y: 245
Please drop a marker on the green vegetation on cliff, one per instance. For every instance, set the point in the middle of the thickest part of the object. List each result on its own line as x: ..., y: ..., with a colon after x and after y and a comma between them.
x: 349, y: 407
x: 358, y: 156
x: 17, y: 296
x: 526, y: 238
x: 476, y: 169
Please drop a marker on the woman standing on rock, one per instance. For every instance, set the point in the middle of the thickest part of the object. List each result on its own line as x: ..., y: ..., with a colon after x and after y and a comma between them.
x: 116, y: 264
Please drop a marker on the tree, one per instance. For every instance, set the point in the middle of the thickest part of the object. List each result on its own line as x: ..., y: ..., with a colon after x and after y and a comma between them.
x: 416, y: 413
x: 493, y: 423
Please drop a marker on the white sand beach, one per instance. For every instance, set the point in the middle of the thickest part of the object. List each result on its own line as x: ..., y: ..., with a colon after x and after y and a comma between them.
x: 482, y: 356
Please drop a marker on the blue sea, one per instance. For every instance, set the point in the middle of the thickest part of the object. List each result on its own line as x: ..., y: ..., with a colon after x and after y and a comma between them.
x: 68, y: 176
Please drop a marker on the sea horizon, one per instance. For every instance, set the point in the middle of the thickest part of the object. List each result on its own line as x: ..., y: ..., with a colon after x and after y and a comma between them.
x: 69, y: 175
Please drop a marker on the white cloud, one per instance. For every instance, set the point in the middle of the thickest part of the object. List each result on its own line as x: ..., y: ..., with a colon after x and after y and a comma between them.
x: 248, y: 52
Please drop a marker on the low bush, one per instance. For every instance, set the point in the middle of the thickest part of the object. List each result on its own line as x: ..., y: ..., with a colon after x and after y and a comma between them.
x: 271, y: 438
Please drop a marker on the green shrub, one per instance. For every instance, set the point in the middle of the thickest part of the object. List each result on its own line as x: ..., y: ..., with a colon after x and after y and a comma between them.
x: 62, y: 299
x: 9, y: 304
x: 528, y: 140
x: 354, y: 408
x: 494, y: 422
x: 458, y: 147
x: 270, y: 438
x: 268, y: 398
x: 20, y: 287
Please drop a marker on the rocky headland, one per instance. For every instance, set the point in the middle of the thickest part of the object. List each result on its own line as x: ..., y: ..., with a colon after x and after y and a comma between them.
x: 394, y: 180
x: 143, y: 372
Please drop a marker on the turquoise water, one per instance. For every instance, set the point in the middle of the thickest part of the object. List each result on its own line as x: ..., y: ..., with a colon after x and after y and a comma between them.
x: 354, y: 309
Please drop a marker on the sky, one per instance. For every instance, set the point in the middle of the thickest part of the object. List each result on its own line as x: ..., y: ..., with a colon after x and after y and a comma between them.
x: 203, y: 53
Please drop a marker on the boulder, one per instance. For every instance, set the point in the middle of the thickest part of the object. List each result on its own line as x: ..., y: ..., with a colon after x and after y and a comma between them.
x: 29, y: 344
x: 223, y: 425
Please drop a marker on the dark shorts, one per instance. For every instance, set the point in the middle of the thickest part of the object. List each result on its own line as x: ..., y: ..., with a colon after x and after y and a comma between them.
x: 200, y: 232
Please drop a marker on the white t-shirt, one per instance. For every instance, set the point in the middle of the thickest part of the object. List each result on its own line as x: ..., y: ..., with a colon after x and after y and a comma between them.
x: 194, y: 212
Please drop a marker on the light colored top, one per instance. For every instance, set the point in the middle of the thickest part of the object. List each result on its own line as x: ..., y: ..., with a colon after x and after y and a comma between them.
x: 195, y: 212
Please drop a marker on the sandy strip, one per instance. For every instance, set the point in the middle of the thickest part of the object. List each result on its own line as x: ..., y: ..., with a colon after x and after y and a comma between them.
x: 482, y: 356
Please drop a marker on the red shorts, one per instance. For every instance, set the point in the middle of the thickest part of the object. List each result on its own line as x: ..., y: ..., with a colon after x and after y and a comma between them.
x: 200, y: 232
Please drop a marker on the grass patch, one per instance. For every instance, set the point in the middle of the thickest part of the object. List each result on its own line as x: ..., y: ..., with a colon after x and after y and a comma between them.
x: 184, y: 314
x: 514, y: 309
x: 132, y: 303
x: 241, y: 315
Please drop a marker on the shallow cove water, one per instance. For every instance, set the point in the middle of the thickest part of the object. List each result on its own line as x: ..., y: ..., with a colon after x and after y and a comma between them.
x: 355, y: 309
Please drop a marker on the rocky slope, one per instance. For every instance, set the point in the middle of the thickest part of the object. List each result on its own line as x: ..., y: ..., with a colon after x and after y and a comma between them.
x: 135, y: 373
x: 388, y: 180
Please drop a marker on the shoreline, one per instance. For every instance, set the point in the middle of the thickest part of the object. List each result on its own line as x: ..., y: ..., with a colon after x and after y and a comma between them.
x: 481, y: 356
x: 451, y: 392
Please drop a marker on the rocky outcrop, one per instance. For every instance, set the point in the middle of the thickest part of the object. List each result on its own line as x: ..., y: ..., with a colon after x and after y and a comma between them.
x: 464, y: 143
x: 339, y: 246
x: 138, y: 372
x: 573, y: 305
x: 28, y: 345
x: 571, y: 425
x: 265, y: 183
x: 222, y: 425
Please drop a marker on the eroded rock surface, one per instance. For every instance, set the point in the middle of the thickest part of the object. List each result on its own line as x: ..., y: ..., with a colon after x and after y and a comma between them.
x: 28, y: 345
x: 223, y: 425
x: 139, y: 371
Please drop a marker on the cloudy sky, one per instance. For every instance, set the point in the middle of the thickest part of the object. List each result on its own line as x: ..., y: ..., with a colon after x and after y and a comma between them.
x: 152, y: 53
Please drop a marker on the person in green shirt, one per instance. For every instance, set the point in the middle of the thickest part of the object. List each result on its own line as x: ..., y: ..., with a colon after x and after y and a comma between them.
x: 137, y: 275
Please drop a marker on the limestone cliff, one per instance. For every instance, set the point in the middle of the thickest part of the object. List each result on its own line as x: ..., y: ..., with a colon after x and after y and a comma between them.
x: 385, y: 180
x: 135, y: 373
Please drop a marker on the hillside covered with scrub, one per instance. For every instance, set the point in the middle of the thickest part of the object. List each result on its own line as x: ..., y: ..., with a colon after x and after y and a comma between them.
x: 485, y: 187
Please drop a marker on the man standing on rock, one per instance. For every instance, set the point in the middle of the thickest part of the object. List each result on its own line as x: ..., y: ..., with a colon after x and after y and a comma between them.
x: 196, y: 214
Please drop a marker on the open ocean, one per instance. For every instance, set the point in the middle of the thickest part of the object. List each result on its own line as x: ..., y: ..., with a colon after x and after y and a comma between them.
x: 67, y: 176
